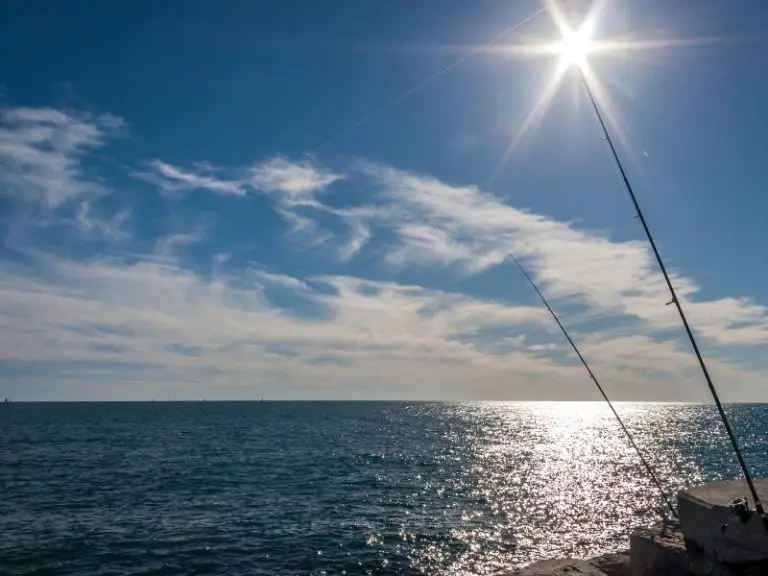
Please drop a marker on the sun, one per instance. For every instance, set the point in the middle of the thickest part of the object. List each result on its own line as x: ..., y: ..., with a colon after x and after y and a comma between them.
x: 575, y: 45
x: 574, y: 50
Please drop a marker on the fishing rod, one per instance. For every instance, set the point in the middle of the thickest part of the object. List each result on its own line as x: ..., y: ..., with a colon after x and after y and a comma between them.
x: 676, y: 301
x: 600, y: 388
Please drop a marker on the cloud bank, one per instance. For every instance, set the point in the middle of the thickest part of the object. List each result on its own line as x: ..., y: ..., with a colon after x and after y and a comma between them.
x: 137, y: 324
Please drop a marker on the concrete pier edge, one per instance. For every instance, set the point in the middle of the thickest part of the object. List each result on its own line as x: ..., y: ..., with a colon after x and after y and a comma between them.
x: 708, y: 540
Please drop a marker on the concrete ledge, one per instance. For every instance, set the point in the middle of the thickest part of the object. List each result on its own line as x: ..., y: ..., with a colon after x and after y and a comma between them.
x: 709, y: 540
x: 708, y: 522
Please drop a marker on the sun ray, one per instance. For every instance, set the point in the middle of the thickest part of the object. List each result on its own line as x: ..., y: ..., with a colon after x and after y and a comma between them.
x: 602, y: 47
x: 616, y: 45
x: 538, y: 111
x: 557, y: 16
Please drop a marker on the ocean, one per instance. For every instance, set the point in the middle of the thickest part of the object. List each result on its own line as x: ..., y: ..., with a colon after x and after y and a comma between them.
x: 289, y: 488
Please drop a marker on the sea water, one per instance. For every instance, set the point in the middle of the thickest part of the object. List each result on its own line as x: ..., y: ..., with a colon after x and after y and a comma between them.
x: 271, y: 488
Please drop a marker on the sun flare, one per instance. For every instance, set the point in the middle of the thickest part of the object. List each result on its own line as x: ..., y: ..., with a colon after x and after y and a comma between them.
x: 574, y: 50
x: 575, y: 45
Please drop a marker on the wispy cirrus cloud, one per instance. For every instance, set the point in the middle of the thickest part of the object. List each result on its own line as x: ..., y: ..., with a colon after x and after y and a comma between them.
x: 359, y: 237
x: 294, y: 182
x: 110, y: 227
x: 445, y: 225
x: 435, y: 223
x: 297, y: 182
x: 46, y: 172
x: 42, y: 152
x: 292, y: 185
x: 174, y: 179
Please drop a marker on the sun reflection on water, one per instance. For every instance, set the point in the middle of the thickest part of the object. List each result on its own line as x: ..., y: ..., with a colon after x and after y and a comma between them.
x: 554, y: 479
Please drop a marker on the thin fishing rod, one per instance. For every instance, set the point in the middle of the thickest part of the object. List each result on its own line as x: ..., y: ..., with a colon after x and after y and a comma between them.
x: 600, y: 388
x: 675, y: 300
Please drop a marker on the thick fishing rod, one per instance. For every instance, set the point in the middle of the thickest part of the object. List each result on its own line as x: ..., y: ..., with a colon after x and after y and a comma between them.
x: 600, y: 388
x: 676, y: 301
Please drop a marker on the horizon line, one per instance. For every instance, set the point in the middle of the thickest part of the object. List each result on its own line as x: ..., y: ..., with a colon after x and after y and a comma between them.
x: 363, y: 401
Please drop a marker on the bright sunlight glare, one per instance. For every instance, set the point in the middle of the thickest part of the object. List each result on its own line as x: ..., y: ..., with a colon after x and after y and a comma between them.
x: 573, y: 50
x: 575, y: 45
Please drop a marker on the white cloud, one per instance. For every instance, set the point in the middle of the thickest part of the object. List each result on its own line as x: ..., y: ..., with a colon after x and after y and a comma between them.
x: 167, y: 248
x: 437, y: 223
x: 111, y: 228
x: 296, y: 182
x: 635, y: 360
x: 264, y: 277
x: 44, y: 172
x: 426, y: 244
x: 42, y: 152
x: 401, y: 338
x: 146, y: 319
x: 174, y: 179
x: 292, y: 184
x: 360, y: 234
x: 440, y: 224
x: 156, y: 323
x: 297, y: 223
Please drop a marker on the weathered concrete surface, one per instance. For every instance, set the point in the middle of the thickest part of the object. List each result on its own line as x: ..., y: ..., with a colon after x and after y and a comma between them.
x: 663, y: 552
x: 704, y: 510
x: 613, y: 564
x: 654, y: 552
x: 564, y: 567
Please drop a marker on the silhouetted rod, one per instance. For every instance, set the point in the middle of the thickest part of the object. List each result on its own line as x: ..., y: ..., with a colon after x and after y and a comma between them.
x: 676, y: 301
x: 600, y: 388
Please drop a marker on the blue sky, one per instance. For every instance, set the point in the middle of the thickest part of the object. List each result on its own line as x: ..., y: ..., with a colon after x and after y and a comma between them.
x: 320, y: 200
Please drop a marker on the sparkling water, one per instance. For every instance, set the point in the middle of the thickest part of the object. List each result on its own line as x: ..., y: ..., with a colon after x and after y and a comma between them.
x: 271, y: 488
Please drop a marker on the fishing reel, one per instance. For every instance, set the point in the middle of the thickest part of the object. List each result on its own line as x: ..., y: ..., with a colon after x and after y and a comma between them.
x: 740, y: 508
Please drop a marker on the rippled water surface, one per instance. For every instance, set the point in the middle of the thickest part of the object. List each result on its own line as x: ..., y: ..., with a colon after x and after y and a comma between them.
x: 340, y: 488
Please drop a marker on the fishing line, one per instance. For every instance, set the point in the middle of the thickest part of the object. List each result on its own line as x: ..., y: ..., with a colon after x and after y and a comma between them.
x: 676, y: 301
x: 600, y: 388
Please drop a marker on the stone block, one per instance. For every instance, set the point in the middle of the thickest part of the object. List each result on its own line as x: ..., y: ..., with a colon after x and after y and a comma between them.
x: 564, y: 567
x: 613, y: 564
x: 657, y: 552
x: 663, y: 551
